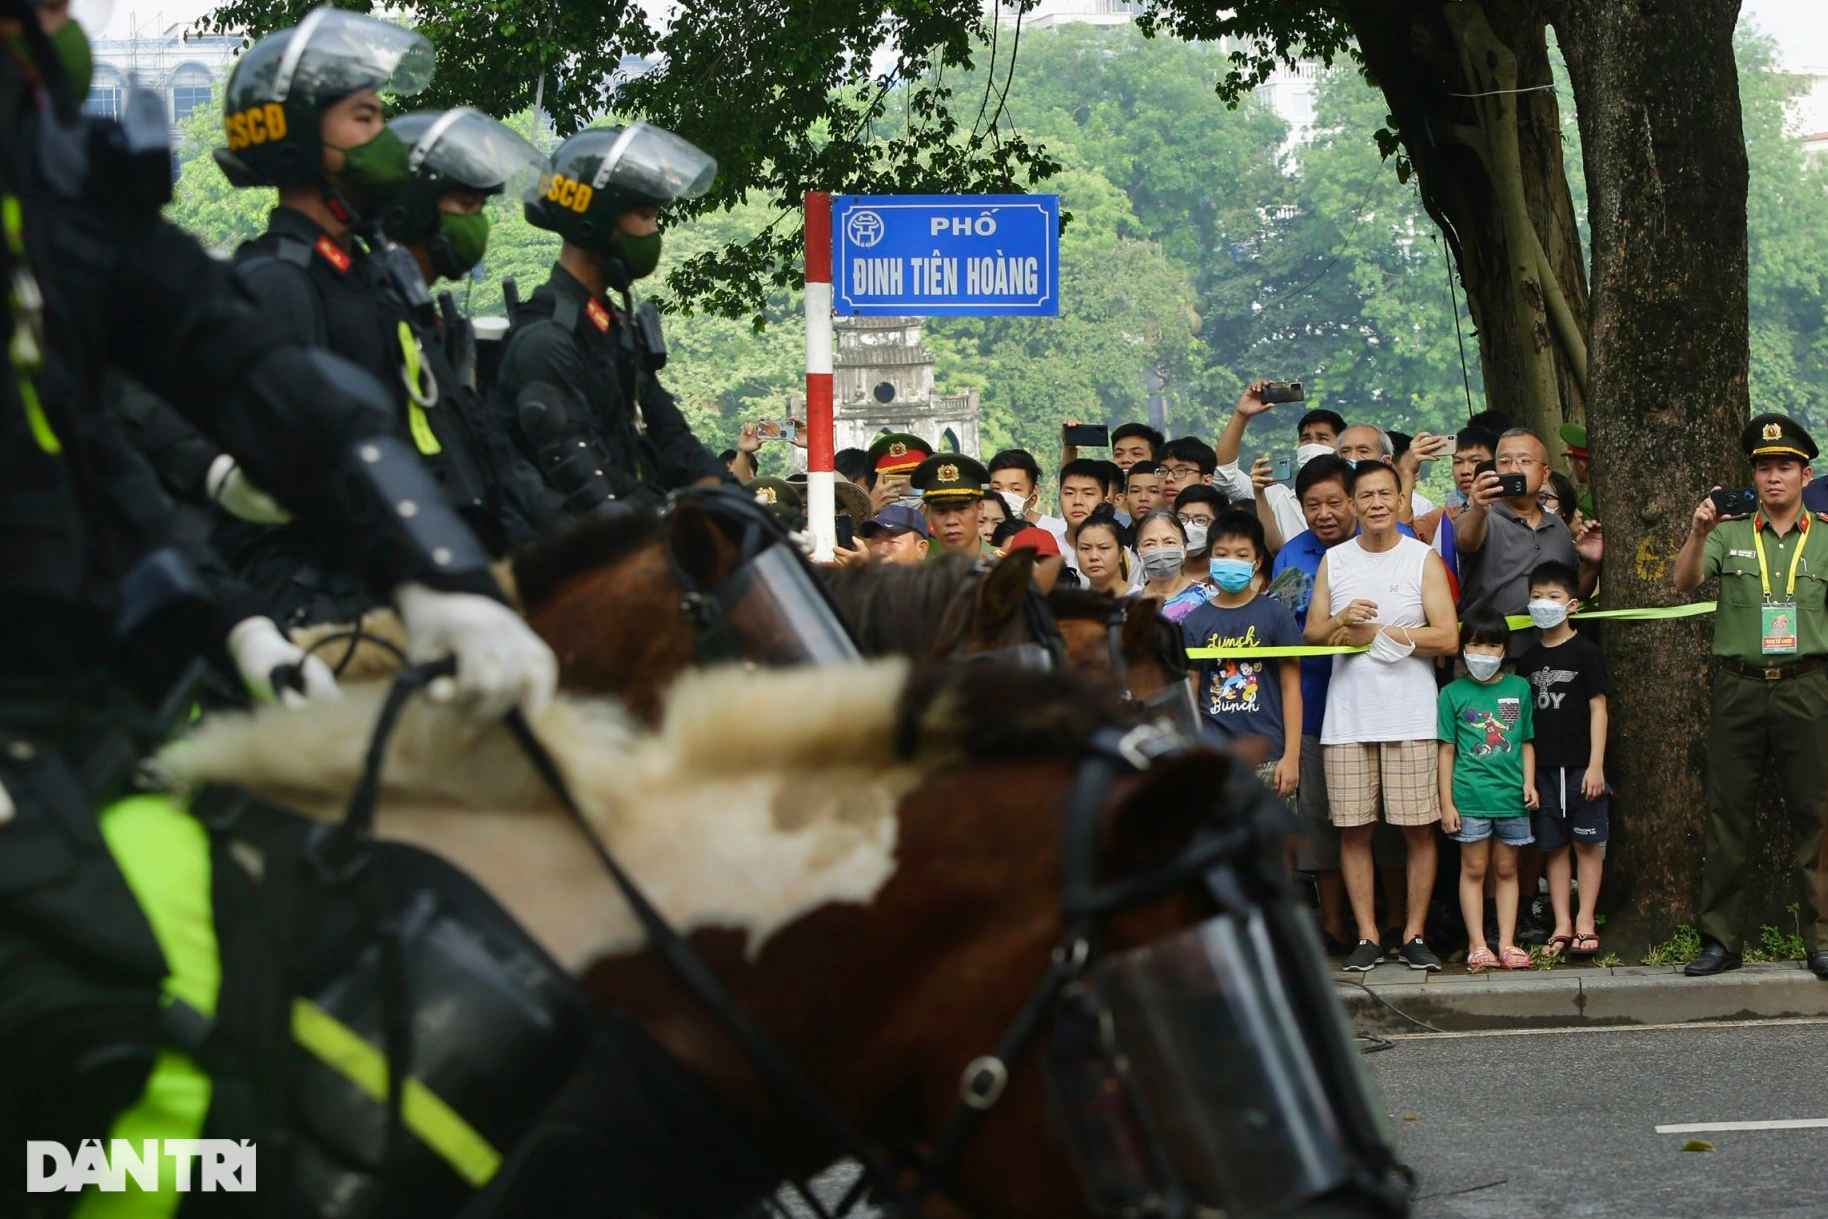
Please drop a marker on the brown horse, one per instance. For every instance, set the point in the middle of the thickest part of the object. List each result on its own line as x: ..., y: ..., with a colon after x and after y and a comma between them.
x: 1150, y: 648
x: 606, y: 595
x: 870, y: 860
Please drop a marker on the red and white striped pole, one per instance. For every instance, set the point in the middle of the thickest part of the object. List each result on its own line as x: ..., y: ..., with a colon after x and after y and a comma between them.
x: 821, y: 504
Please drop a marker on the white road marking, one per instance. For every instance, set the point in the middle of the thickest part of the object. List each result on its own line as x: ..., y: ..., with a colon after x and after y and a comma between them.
x: 1795, y: 1123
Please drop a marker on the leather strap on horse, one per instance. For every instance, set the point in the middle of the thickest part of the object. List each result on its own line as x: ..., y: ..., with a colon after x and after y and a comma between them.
x: 704, y: 986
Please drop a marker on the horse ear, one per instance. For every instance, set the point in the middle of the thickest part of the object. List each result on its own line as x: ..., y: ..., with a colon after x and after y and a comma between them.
x: 1000, y: 593
x: 1156, y: 819
x: 1139, y: 621
x: 699, y: 545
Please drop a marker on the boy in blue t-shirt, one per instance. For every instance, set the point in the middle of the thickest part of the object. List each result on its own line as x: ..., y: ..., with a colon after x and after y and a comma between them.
x: 1487, y: 776
x: 1248, y: 696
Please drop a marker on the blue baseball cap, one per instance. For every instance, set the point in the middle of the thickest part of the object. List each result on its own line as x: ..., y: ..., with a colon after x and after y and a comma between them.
x: 896, y: 518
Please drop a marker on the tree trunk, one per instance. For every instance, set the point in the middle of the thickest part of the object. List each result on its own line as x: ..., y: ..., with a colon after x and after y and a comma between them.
x: 1465, y: 87
x: 1657, y: 95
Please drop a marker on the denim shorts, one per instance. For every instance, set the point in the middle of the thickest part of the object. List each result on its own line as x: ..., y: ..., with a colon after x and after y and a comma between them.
x: 1511, y: 831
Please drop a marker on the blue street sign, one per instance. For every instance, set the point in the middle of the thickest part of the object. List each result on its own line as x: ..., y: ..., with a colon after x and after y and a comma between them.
x: 946, y: 255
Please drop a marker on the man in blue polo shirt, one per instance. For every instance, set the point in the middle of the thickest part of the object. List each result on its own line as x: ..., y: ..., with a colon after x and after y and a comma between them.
x: 1320, y: 489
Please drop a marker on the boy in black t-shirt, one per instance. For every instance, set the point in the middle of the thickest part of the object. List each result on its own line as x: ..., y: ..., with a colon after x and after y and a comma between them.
x: 1568, y: 677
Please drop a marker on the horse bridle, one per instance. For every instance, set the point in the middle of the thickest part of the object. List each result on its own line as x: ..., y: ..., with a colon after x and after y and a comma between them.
x: 1085, y: 903
x: 756, y: 529
x: 1048, y: 648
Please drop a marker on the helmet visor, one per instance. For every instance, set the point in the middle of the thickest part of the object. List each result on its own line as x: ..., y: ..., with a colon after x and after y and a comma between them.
x: 655, y: 164
x: 468, y: 148
x: 333, y: 53
x: 778, y: 615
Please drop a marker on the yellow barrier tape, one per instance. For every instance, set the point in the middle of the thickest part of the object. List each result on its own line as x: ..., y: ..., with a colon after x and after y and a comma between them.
x: 1517, y: 621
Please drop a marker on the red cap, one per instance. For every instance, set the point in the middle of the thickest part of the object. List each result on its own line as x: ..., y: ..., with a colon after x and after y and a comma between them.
x: 1036, y: 539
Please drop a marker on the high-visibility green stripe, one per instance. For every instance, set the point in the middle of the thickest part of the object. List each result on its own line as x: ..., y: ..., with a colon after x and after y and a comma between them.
x: 164, y: 854
x: 435, y: 1123
x: 40, y: 423
x: 1517, y: 622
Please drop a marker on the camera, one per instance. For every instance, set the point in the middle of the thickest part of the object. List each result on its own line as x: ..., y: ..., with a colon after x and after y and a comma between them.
x: 1087, y: 435
x: 1739, y: 502
x: 1509, y: 485
x: 1282, y: 391
x: 777, y: 429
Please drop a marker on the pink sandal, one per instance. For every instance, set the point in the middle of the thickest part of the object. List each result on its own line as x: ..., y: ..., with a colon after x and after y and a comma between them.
x: 1514, y: 958
x: 1481, y: 959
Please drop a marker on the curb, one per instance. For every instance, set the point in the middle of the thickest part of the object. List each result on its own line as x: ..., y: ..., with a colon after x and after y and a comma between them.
x: 1578, y: 998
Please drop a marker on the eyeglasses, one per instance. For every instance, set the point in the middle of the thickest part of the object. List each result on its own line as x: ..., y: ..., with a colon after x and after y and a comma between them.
x: 1509, y: 462
x: 1197, y: 520
x: 1178, y: 472
x: 1546, y: 500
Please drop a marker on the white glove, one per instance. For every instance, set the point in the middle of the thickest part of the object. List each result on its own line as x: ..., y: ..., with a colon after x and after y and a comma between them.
x: 501, y: 663
x: 259, y: 647
x: 229, y: 487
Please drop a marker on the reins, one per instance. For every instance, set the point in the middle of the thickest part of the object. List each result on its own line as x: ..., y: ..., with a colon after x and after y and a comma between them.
x: 1085, y: 901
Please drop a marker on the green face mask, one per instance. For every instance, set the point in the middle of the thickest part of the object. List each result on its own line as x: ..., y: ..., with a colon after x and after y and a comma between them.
x: 72, y: 47
x: 374, y: 172
x: 468, y: 234
x: 639, y: 254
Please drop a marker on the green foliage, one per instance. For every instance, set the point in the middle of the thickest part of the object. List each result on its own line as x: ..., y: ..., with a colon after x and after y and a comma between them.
x: 1776, y: 945
x: 202, y: 201
x: 1610, y: 961
x: 1681, y: 948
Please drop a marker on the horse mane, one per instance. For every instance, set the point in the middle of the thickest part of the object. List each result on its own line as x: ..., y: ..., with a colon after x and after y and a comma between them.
x: 900, y: 608
x: 577, y: 547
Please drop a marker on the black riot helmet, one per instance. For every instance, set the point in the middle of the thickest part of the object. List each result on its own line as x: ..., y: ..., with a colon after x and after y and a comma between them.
x: 281, y: 86
x: 600, y: 174
x: 456, y: 149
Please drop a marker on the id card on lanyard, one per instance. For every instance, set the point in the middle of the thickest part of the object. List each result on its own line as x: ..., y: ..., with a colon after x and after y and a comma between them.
x: 1777, y: 619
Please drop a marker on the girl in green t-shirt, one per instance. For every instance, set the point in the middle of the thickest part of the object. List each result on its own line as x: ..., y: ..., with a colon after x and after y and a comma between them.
x: 1487, y: 776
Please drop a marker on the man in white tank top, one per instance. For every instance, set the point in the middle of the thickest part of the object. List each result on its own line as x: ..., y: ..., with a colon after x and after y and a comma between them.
x: 1387, y: 593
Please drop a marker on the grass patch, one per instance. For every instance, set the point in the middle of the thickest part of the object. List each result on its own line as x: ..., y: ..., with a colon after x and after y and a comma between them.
x: 1776, y: 945
x: 1609, y: 961
x: 1681, y: 948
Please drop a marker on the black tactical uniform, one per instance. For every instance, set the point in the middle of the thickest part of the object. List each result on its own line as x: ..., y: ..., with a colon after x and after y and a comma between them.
x: 93, y: 626
x: 577, y: 386
x: 485, y: 475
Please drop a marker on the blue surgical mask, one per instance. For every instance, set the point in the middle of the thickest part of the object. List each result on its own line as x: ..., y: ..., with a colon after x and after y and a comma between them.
x: 1232, y: 575
x: 1481, y: 665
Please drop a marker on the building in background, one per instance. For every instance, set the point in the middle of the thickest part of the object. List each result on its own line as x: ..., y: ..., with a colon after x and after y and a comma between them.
x: 180, y: 62
x: 882, y: 381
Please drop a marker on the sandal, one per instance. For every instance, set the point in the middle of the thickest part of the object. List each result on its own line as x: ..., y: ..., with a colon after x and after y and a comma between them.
x: 1557, y: 945
x: 1514, y: 958
x: 1586, y: 944
x: 1481, y: 959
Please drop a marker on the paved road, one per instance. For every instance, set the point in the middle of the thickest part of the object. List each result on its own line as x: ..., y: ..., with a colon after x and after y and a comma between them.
x: 1564, y: 1123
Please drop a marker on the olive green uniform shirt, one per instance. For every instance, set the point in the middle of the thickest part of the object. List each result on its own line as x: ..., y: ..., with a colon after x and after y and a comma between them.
x: 1738, y: 622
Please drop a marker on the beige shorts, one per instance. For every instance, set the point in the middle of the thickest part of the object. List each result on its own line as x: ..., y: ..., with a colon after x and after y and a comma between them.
x: 1399, y: 776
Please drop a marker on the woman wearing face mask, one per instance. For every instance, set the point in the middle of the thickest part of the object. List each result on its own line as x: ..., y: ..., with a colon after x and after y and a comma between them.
x: 1100, y: 553
x: 994, y: 512
x: 1161, y: 547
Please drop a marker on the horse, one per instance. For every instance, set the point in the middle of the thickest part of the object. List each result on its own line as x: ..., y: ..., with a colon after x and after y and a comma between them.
x: 1124, y: 638
x: 869, y: 856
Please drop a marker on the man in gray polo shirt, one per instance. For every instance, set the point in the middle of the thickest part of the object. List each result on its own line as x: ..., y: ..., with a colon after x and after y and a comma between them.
x: 1501, y: 541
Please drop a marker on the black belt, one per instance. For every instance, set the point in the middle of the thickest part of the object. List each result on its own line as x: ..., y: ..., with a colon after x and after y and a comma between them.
x: 1808, y: 664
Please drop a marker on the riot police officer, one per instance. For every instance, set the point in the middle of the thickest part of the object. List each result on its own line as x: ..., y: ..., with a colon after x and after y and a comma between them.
x: 303, y: 115
x: 576, y: 386
x: 458, y: 160
x: 93, y: 627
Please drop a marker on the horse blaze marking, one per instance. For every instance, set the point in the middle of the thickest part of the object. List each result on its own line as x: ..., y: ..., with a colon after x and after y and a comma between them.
x: 1651, y: 565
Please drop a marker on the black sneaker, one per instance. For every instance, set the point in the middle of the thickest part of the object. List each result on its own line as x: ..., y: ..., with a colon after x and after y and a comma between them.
x: 1530, y: 933
x: 1364, y: 958
x: 1418, y: 955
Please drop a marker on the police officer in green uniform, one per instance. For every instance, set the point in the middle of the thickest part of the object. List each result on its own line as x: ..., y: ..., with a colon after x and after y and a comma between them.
x: 577, y: 387
x: 459, y: 159
x: 895, y: 456
x: 93, y: 627
x: 781, y: 498
x: 1770, y: 684
x: 951, y: 488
